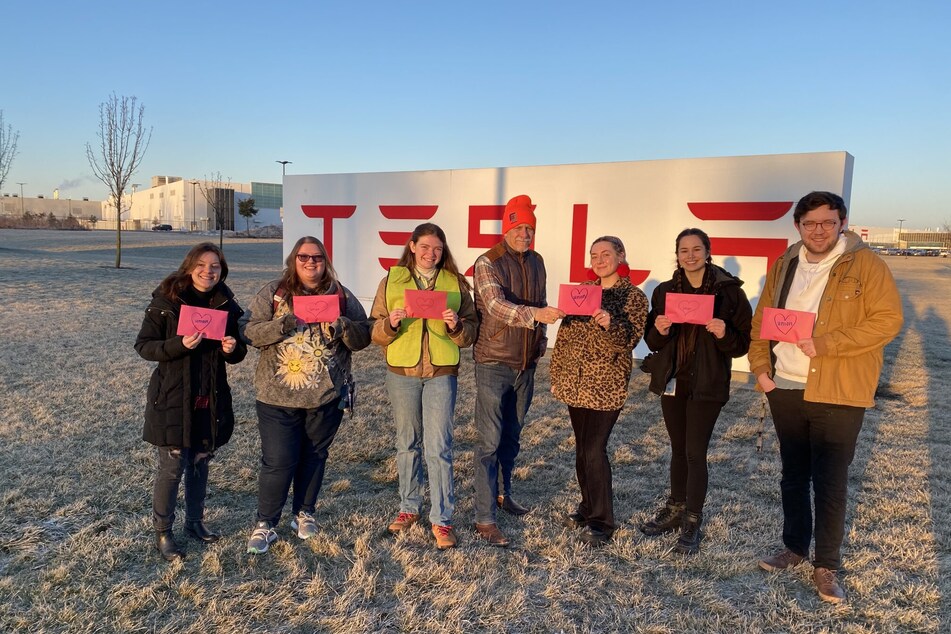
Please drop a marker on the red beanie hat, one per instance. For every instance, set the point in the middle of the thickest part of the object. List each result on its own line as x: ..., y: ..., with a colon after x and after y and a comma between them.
x: 518, y: 211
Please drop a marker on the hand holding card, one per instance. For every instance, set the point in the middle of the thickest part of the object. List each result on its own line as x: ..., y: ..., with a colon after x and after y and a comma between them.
x: 687, y: 308
x: 209, y: 322
x: 791, y: 326
x: 317, y: 309
x: 425, y: 304
x: 579, y: 299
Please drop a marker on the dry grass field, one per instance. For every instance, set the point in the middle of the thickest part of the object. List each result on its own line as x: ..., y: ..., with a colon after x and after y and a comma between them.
x: 76, y: 549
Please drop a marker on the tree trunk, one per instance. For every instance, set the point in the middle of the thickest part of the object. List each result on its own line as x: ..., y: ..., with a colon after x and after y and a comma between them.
x: 118, y: 233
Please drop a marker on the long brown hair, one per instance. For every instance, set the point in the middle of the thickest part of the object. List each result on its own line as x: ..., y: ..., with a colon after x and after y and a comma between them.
x: 446, y: 263
x: 687, y: 337
x: 292, y: 284
x: 175, y: 284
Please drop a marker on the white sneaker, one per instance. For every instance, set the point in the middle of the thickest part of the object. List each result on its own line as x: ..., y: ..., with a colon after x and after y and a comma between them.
x: 305, y: 525
x: 261, y: 538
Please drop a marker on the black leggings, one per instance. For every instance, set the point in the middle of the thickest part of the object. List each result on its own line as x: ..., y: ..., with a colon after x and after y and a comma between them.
x: 690, y: 426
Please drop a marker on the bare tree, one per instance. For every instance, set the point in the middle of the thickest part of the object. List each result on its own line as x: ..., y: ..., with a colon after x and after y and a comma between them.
x: 8, y: 148
x: 220, y: 197
x: 123, y: 141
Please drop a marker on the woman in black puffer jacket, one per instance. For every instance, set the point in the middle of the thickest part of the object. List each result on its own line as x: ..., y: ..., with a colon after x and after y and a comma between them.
x: 691, y: 369
x: 188, y: 413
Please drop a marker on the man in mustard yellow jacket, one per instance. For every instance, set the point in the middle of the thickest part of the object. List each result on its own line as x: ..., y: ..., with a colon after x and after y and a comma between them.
x: 818, y: 388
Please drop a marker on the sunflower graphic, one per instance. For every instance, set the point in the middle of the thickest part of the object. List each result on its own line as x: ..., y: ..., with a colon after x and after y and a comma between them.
x: 294, y: 369
x: 302, y: 340
x: 319, y: 356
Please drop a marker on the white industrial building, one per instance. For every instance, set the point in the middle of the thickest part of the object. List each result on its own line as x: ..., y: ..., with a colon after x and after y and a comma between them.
x: 182, y: 204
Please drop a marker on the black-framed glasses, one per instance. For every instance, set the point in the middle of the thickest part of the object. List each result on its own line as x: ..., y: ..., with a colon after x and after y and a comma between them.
x: 303, y: 257
x: 810, y: 225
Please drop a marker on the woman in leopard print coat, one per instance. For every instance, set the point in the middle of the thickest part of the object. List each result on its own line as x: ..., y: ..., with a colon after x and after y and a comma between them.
x: 590, y: 370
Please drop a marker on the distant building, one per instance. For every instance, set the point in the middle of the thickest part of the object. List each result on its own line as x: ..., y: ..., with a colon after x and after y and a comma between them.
x: 61, y: 208
x: 172, y: 200
x: 888, y: 237
x: 168, y: 200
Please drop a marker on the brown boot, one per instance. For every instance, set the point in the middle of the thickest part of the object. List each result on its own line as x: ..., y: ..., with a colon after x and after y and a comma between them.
x: 402, y: 522
x: 492, y: 534
x: 507, y: 504
x: 829, y: 589
x: 784, y: 560
x: 667, y: 520
x: 445, y: 537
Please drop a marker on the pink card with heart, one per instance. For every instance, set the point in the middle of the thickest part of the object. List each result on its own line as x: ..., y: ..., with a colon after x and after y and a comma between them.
x: 791, y: 326
x: 208, y: 321
x: 580, y: 299
x: 686, y: 308
x: 317, y: 309
x: 425, y: 304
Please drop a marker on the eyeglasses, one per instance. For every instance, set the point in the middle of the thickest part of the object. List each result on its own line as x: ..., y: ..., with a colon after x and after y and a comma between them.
x: 303, y: 257
x: 810, y: 225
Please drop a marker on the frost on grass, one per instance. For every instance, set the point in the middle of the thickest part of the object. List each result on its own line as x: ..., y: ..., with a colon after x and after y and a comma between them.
x: 76, y: 548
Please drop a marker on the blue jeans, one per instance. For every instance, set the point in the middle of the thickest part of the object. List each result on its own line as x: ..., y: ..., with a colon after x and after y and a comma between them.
x: 816, y: 443
x: 423, y: 410
x: 503, y: 396
x: 294, y: 448
x: 172, y: 463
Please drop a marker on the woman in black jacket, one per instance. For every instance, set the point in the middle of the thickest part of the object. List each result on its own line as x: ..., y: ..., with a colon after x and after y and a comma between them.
x: 188, y: 414
x: 691, y: 369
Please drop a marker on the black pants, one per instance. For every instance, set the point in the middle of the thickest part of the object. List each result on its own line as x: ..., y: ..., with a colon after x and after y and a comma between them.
x: 817, y: 444
x: 690, y: 425
x: 592, y: 429
x: 294, y: 448
x: 171, y: 465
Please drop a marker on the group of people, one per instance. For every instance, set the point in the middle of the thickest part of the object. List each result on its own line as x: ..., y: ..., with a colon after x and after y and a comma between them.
x: 817, y: 388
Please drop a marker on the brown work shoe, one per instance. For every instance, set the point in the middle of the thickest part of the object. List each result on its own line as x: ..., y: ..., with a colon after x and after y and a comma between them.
x: 829, y: 589
x: 402, y: 522
x: 445, y: 537
x: 781, y: 561
x: 492, y: 534
x: 507, y: 504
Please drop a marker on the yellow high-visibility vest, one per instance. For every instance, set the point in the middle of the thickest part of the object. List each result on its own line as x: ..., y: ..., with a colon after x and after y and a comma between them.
x: 407, y: 349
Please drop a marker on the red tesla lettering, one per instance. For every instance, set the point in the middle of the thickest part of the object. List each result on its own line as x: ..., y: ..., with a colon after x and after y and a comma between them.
x: 577, y: 271
x: 478, y: 213
x: 400, y: 238
x: 769, y: 248
x: 740, y: 210
x: 328, y: 213
x: 408, y: 212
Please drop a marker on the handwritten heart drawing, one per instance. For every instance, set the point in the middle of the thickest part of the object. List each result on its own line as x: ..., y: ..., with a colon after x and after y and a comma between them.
x: 785, y: 323
x: 201, y: 321
x: 318, y: 312
x: 689, y: 307
x: 579, y: 295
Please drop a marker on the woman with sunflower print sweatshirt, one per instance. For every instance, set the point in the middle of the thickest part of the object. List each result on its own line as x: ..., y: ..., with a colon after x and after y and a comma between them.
x: 302, y: 384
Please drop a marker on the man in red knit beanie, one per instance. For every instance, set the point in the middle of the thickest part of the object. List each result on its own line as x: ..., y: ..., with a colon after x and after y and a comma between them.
x: 513, y: 314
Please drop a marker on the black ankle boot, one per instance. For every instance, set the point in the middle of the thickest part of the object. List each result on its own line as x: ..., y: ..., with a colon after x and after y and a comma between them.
x: 198, y: 530
x: 165, y: 543
x: 668, y: 519
x: 690, y: 534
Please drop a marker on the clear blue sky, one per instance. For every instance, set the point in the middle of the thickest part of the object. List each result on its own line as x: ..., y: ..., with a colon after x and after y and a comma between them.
x: 391, y: 86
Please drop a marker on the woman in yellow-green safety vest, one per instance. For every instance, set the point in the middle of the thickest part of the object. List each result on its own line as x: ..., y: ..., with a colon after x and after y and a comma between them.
x: 422, y: 356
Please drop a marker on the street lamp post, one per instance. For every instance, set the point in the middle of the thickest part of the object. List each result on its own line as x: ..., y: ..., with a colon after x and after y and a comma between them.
x: 21, y: 197
x: 283, y: 167
x: 134, y: 187
x: 900, y: 222
x: 193, y: 183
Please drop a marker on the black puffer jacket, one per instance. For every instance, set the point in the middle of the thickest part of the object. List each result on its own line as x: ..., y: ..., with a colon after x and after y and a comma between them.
x: 712, y: 362
x: 169, y: 407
